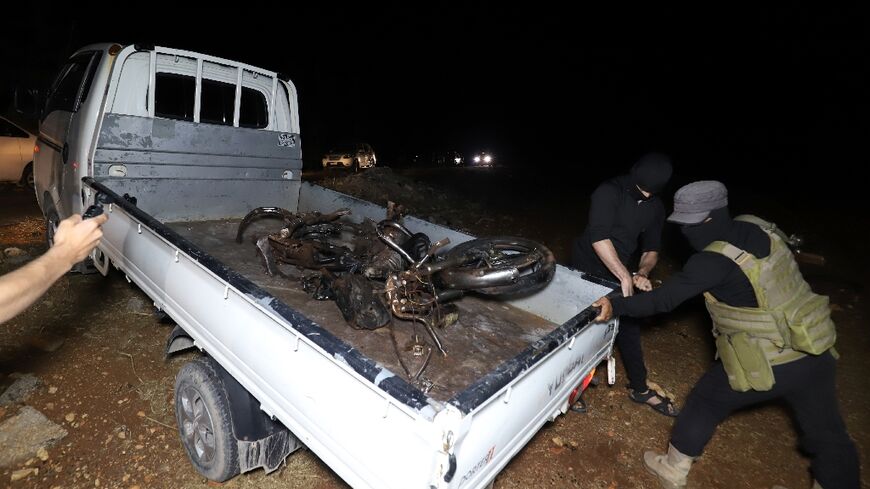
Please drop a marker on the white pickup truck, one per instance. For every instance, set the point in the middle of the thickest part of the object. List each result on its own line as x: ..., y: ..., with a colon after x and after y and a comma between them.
x: 178, y: 146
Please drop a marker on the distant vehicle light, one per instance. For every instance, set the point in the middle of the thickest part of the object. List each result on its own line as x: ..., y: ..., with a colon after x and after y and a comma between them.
x: 487, y: 159
x: 477, y: 159
x: 457, y: 160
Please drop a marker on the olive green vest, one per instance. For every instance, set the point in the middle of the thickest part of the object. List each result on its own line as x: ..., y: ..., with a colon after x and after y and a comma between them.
x: 789, y: 322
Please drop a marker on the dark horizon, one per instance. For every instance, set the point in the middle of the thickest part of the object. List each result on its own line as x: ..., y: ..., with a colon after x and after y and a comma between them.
x: 772, y: 89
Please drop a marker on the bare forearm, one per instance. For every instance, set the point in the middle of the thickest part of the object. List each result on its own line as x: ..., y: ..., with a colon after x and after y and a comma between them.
x: 648, y: 261
x: 605, y: 250
x: 21, y: 288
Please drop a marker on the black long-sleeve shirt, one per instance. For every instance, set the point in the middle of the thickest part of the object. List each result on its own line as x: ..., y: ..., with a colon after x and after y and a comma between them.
x: 704, y: 271
x: 620, y: 213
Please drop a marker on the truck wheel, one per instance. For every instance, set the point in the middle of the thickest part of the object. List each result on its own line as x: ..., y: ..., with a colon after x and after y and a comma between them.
x: 202, y: 412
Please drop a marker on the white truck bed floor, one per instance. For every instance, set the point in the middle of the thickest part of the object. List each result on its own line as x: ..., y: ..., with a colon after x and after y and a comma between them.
x: 487, y: 333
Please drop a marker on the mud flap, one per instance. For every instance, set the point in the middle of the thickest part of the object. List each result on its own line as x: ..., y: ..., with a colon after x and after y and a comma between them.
x: 178, y: 341
x: 262, y: 441
x: 267, y: 452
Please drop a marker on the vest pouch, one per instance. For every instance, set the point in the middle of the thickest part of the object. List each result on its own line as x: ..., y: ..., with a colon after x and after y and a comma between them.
x: 736, y: 377
x: 745, y: 362
x: 811, y: 328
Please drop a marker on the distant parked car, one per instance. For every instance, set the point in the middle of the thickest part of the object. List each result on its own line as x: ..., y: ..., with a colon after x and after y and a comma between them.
x: 16, y: 153
x: 355, y: 157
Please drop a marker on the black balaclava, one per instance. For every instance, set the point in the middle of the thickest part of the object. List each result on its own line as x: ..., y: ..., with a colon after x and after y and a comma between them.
x: 652, y: 172
x: 700, y: 235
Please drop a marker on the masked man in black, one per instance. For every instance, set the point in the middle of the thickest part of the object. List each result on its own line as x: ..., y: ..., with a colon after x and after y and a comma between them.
x: 624, y: 213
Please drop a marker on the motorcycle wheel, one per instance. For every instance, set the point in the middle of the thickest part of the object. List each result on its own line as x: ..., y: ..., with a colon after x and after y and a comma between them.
x: 499, y: 266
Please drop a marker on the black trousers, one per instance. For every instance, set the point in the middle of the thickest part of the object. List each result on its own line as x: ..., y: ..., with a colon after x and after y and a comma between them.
x: 628, y: 344
x: 808, y: 387
x: 628, y: 337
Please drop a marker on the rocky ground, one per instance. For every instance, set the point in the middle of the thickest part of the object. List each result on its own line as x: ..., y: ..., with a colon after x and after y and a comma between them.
x: 87, y: 394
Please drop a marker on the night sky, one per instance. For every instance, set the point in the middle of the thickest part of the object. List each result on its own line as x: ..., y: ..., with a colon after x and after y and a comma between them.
x: 720, y: 89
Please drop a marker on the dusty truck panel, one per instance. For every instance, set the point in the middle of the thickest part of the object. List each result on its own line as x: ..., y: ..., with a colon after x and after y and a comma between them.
x: 175, y: 179
x: 200, y: 171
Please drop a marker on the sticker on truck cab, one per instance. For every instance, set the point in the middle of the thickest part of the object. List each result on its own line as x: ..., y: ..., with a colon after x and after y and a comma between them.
x: 287, y: 140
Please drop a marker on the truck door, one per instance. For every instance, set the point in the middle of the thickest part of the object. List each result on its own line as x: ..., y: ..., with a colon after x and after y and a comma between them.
x: 67, y: 93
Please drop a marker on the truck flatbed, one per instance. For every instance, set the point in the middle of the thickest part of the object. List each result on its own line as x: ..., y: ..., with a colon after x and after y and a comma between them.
x: 488, y: 332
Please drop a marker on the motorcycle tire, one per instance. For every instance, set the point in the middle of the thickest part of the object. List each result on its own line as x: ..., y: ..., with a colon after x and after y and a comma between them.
x: 499, y: 266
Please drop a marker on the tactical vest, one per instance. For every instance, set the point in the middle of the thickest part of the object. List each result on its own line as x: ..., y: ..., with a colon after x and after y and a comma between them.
x: 789, y: 322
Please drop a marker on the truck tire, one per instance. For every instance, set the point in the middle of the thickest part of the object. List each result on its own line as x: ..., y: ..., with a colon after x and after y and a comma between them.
x: 202, y: 411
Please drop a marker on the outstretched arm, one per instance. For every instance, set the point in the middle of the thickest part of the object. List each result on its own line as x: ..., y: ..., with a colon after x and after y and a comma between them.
x: 73, y: 242
x: 702, y: 272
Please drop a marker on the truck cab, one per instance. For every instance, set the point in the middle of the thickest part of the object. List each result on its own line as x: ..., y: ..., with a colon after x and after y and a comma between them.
x: 161, y: 91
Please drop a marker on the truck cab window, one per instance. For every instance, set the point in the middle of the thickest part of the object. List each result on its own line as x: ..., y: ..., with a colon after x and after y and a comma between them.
x: 174, y: 96
x: 218, y: 102
x: 64, y: 94
x: 253, y: 111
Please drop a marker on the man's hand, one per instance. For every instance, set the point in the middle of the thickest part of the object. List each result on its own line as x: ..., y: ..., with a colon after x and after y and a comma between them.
x: 75, y: 238
x: 606, y: 309
x: 642, y: 282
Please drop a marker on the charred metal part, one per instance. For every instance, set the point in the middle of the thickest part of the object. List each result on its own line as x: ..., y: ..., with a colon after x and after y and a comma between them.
x: 418, y: 350
x: 355, y: 296
x: 449, y: 295
x: 392, y: 223
x: 397, y: 297
x: 447, y: 314
x: 426, y: 385
x: 318, y: 287
x: 311, y: 254
x: 258, y: 213
x: 417, y: 246
x: 265, y: 251
x: 398, y: 353
x: 321, y: 230
x: 425, y: 364
x: 392, y: 244
x: 382, y: 264
x: 395, y: 211
x: 478, y: 278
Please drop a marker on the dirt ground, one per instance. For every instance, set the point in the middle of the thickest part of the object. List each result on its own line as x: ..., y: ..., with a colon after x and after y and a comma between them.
x: 97, y: 348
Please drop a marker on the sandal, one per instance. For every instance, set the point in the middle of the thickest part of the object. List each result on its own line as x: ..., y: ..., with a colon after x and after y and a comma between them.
x: 661, y: 404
